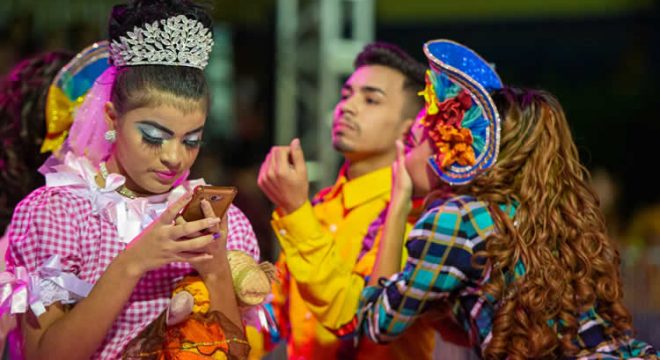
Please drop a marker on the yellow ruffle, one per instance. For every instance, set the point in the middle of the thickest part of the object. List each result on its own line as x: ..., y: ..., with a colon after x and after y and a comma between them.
x: 59, y: 117
x: 430, y: 96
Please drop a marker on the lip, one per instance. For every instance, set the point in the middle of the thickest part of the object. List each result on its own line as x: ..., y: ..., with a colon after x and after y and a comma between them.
x: 341, y: 126
x: 166, y: 176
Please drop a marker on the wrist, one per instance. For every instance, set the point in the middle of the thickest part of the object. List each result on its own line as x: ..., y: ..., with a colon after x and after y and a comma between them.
x: 218, y: 273
x: 400, y: 205
x: 286, y: 209
x: 129, y: 268
x: 216, y: 279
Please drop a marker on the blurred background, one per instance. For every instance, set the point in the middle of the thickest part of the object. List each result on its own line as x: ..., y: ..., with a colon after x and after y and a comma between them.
x: 277, y: 67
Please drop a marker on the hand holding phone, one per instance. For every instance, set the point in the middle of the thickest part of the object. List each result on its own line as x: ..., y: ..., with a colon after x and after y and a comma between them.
x: 220, y: 198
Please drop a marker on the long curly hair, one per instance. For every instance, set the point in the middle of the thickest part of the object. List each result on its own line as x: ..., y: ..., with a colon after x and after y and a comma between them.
x: 23, y: 127
x: 558, y: 234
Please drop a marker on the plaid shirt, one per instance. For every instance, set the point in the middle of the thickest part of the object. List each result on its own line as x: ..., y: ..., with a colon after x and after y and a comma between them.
x: 441, y: 248
x: 59, y: 221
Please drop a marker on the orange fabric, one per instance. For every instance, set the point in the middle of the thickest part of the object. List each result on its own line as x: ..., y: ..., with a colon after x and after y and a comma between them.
x: 193, y: 340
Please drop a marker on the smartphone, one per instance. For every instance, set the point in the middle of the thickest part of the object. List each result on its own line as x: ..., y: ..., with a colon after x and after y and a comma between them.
x: 220, y: 197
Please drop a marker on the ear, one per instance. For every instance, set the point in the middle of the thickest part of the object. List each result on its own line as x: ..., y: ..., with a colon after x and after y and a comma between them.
x: 110, y: 115
x: 406, y: 124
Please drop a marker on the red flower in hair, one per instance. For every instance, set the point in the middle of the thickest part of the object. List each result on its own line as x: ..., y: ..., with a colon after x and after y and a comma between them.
x: 450, y: 112
x: 453, y: 142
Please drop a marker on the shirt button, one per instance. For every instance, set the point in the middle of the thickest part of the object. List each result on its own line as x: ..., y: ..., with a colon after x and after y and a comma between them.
x: 333, y: 227
x: 282, y: 232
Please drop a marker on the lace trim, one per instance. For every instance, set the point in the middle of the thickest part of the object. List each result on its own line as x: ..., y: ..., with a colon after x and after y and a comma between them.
x: 50, y: 293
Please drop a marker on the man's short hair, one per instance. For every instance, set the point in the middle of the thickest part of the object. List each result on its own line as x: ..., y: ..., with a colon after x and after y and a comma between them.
x: 391, y: 56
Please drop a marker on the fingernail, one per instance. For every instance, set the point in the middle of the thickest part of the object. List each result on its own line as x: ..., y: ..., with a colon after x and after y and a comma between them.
x: 214, y: 220
x: 295, y: 143
x: 216, y: 235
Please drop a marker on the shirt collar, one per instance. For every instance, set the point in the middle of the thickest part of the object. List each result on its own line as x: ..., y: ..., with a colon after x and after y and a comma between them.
x: 362, y: 189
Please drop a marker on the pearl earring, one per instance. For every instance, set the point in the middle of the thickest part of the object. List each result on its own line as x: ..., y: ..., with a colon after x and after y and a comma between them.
x: 110, y: 135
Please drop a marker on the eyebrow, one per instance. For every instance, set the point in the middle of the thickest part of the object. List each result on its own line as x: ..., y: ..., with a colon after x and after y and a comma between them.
x: 166, y: 130
x: 368, y: 89
x: 373, y: 89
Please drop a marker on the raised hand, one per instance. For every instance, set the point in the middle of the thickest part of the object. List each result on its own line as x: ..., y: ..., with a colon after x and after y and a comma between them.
x: 165, y: 241
x: 401, y: 182
x: 388, y: 260
x: 283, y: 177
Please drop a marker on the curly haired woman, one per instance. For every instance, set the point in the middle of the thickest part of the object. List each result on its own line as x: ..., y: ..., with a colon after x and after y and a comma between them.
x: 512, y: 240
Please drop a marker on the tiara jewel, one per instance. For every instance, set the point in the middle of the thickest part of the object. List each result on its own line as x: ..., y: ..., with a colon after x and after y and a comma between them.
x: 173, y: 41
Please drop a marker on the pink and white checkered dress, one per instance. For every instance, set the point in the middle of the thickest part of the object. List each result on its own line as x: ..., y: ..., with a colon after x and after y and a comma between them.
x: 68, y: 222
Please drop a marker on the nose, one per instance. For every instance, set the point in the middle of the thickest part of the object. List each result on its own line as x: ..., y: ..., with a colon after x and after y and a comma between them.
x: 172, y: 153
x: 347, y: 105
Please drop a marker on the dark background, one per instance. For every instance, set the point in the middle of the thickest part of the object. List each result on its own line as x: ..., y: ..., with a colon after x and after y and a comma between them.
x: 599, y: 57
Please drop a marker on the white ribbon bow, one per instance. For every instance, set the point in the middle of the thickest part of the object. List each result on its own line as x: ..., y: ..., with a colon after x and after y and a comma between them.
x: 19, y: 289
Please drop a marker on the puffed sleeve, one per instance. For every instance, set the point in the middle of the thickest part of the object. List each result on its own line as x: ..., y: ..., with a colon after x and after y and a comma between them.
x: 44, y: 243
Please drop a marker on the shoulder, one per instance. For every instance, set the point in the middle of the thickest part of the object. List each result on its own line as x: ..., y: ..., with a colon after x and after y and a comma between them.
x: 60, y: 200
x: 462, y: 218
x: 461, y: 204
x: 49, y: 221
x: 468, y: 217
x: 46, y: 216
x: 454, y: 211
x: 241, y: 235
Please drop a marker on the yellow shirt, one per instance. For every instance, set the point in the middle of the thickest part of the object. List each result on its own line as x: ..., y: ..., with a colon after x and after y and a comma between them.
x: 323, y: 279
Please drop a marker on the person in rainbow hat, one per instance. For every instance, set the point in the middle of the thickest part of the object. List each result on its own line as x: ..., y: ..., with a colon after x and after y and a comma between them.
x: 512, y: 246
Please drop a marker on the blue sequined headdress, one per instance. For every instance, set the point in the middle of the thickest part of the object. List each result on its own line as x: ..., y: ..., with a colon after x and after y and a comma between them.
x: 460, y: 116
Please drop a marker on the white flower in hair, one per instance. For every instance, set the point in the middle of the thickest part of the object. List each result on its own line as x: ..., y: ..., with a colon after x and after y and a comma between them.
x: 177, y: 41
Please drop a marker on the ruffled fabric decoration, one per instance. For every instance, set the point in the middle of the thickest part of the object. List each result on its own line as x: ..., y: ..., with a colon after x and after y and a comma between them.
x: 20, y: 290
x: 459, y: 116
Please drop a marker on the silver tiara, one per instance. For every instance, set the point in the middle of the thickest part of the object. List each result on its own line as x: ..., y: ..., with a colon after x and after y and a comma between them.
x: 172, y: 41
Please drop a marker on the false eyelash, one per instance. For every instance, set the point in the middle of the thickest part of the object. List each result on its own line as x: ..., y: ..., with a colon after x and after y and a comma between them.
x: 151, y: 141
x: 193, y: 144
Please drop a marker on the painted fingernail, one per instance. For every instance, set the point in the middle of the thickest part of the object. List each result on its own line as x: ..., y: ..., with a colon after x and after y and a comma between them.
x: 216, y: 235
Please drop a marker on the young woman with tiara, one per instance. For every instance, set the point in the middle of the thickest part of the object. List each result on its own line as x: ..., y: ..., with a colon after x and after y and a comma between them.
x: 96, y: 253
x: 512, y: 242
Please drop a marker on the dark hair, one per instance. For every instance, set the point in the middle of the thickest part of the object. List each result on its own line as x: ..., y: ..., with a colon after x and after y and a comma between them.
x: 141, y: 85
x: 390, y: 55
x: 23, y: 95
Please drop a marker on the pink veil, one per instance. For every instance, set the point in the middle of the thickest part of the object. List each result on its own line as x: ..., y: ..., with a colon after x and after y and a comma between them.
x: 86, y: 135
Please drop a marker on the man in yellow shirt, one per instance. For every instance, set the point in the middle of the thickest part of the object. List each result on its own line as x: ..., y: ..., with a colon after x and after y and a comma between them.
x: 327, y: 244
